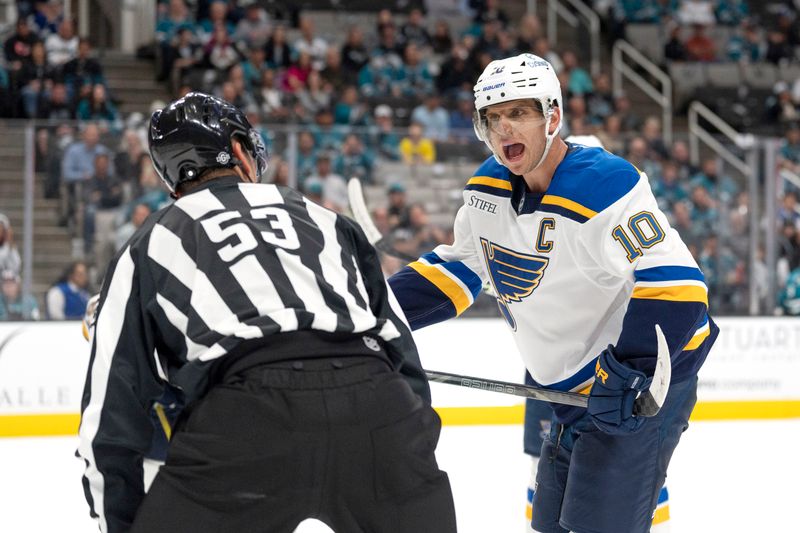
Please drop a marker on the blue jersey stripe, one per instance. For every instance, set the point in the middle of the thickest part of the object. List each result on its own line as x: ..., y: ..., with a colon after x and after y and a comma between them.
x: 459, y: 270
x: 563, y: 211
x: 663, y: 496
x: 488, y: 189
x: 669, y: 273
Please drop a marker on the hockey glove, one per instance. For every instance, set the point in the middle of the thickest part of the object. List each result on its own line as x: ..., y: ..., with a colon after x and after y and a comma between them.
x: 613, y: 394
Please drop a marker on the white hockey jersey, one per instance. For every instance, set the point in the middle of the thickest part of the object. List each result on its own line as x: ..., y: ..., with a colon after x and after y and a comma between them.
x: 591, y: 262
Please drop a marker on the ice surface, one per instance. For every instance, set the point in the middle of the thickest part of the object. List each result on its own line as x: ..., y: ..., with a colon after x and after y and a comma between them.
x: 726, y: 477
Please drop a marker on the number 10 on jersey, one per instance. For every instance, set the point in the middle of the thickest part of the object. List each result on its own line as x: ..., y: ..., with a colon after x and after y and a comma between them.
x: 646, y: 232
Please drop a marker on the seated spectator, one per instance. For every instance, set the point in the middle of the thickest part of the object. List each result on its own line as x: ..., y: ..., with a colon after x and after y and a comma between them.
x: 461, y: 128
x: 456, y: 74
x: 253, y: 67
x: 139, y: 214
x: 220, y: 52
x: 788, y: 211
x: 652, y: 132
x: 375, y: 78
x: 102, y: 200
x: 333, y: 74
x: 234, y: 89
x: 327, y: 135
x: 389, y: 45
x: 413, y: 79
x: 35, y: 78
x: 181, y: 56
x: 333, y: 185
x: 416, y: 148
x: 433, y: 118
x: 297, y: 74
x: 350, y: 110
x: 778, y: 48
x: 17, y: 48
x: 669, y: 189
x: 705, y: 215
x: 77, y: 167
x: 414, y: 31
x: 424, y: 235
x: 383, y: 139
x: 306, y: 162
x: 600, y: 102
x: 789, y: 299
x: 311, y: 44
x: 529, y: 29
x: 580, y: 82
x: 97, y: 107
x: 62, y: 46
x: 172, y: 20
x: 270, y: 97
x: 354, y: 160
x: 640, y: 156
x: 722, y: 188
x: 354, y: 53
x: 278, y: 53
x: 700, y: 47
x: 731, y: 12
x: 67, y: 298
x: 13, y: 304
x: 441, y: 40
x: 675, y: 49
x: 680, y: 156
x: 128, y: 160
x: 490, y: 11
x: 781, y: 108
x: 217, y: 18
x: 397, y: 215
x: 253, y: 28
x: 83, y: 69
x: 624, y: 110
x: 747, y: 45
x: 610, y: 134
x: 57, y: 108
x: 9, y: 256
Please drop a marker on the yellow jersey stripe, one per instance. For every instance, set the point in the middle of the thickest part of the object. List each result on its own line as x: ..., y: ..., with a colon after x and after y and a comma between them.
x: 162, y: 418
x: 568, y: 204
x: 450, y: 288
x: 698, y: 339
x: 675, y: 293
x: 497, y: 183
x: 662, y: 514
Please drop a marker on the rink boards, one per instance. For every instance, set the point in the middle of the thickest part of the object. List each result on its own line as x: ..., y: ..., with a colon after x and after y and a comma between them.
x: 753, y: 372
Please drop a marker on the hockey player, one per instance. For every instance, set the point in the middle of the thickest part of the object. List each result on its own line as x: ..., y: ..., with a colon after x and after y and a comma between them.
x: 584, y: 266
x: 305, y: 394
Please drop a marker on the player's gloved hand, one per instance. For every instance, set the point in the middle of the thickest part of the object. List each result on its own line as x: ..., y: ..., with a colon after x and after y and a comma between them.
x: 613, y: 394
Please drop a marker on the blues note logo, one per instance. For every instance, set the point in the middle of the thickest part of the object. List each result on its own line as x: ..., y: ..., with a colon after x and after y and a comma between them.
x: 514, y: 275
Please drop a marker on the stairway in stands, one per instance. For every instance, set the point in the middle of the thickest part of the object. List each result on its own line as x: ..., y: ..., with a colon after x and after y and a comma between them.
x: 51, y: 243
x: 131, y: 82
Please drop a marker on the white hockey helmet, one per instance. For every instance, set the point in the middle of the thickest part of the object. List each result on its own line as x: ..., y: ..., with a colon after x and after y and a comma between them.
x: 522, y: 77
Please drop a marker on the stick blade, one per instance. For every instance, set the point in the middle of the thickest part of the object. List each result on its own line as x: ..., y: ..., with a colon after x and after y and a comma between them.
x: 651, y: 401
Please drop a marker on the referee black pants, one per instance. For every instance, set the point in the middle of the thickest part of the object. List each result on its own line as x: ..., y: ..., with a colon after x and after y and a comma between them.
x: 342, y: 440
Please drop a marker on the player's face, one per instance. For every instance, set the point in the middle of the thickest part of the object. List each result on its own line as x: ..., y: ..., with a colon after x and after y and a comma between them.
x: 517, y: 133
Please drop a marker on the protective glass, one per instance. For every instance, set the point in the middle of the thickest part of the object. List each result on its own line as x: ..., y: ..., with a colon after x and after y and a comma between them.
x: 508, y: 121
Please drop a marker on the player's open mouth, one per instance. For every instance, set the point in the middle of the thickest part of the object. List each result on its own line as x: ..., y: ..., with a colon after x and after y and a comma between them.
x: 513, y: 152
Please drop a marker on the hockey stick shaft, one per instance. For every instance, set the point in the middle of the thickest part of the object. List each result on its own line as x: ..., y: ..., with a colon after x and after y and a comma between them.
x: 647, y: 404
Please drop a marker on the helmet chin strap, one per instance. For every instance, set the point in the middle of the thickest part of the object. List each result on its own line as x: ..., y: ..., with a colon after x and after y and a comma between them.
x: 548, y: 141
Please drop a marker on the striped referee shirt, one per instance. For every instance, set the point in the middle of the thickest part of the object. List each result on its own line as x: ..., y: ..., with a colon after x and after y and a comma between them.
x: 232, y: 262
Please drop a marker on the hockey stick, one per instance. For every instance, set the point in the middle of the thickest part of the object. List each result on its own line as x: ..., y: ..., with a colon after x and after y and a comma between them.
x: 647, y: 404
x: 360, y: 212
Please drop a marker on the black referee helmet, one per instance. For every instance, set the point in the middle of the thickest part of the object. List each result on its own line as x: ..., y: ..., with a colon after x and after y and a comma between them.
x: 194, y: 134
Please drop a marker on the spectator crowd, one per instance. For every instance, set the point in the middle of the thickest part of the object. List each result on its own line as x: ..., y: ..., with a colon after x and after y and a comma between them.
x: 398, y: 92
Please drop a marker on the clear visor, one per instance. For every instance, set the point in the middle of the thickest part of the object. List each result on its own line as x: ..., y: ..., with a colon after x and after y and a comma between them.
x: 508, y: 121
